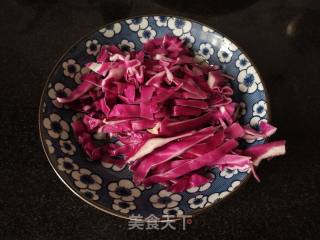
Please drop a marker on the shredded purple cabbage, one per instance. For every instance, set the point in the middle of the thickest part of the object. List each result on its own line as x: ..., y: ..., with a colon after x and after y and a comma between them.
x: 173, y: 118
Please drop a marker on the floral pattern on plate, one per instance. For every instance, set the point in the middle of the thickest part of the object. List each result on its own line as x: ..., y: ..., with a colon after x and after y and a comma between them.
x: 124, y: 190
x: 85, y: 179
x: 179, y: 26
x: 146, y: 34
x: 59, y: 90
x: 111, y: 30
x: 67, y: 165
x: 137, y: 23
x: 70, y: 68
x: 56, y: 126
x: 206, y: 50
x: 242, y: 62
x: 260, y: 109
x: 198, y: 201
x: 165, y: 199
x: 93, y: 47
x: 249, y: 81
x: 126, y: 45
x: 67, y: 147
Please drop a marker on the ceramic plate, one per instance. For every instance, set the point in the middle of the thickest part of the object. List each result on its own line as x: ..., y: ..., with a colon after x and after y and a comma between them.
x: 108, y: 187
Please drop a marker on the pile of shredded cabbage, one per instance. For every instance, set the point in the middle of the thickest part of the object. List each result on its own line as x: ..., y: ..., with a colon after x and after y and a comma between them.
x: 174, y: 119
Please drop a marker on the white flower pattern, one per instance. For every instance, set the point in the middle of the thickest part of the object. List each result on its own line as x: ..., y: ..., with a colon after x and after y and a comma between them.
x: 70, y: 68
x: 85, y: 179
x: 248, y: 80
x: 57, y: 128
x: 260, y: 109
x: 242, y: 62
x: 66, y: 165
x: 126, y: 45
x: 123, y: 206
x: 206, y: 50
x: 225, y: 55
x: 161, y: 21
x: 110, y: 30
x: 90, y: 194
x: 165, y: 199
x: 146, y: 34
x: 124, y: 190
x: 93, y: 47
x: 198, y: 202
x: 188, y: 39
x: 179, y: 26
x: 59, y: 90
x: 67, y: 147
x: 137, y: 23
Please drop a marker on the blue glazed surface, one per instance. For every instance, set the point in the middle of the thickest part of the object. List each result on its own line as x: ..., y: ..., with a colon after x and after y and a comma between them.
x: 108, y: 187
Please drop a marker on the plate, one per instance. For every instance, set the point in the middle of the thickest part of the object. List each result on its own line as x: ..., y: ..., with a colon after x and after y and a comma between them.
x: 108, y: 187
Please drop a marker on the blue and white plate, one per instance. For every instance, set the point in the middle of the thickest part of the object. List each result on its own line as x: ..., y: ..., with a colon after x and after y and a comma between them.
x: 108, y: 187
